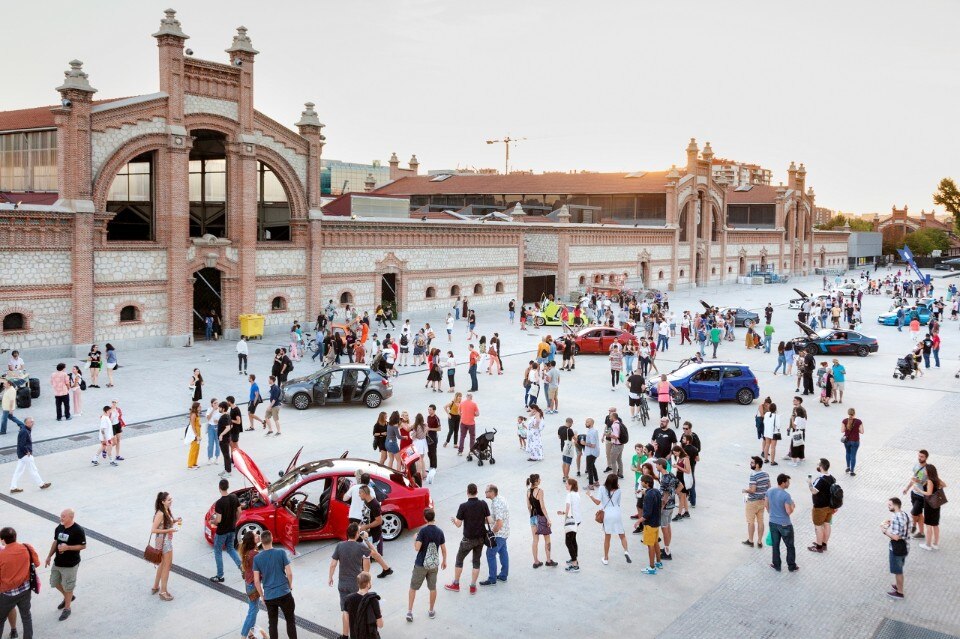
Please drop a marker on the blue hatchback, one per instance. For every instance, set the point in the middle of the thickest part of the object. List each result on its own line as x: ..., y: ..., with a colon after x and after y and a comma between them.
x: 923, y: 311
x: 711, y: 382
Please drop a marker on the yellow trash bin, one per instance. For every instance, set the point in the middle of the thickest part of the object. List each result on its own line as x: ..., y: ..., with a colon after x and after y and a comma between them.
x: 251, y: 325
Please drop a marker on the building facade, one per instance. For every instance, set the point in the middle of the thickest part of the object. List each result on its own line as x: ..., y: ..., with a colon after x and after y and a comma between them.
x: 736, y: 174
x: 127, y: 220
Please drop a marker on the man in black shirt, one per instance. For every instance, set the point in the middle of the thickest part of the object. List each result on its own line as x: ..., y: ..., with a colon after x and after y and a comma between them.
x: 635, y: 386
x: 68, y: 540
x: 363, y: 610
x: 226, y: 513
x: 236, y: 421
x: 809, y: 366
x: 286, y: 365
x: 689, y: 442
x: 565, y: 432
x: 472, y: 515
x: 663, y: 439
x: 223, y: 437
x: 822, y: 511
x: 372, y: 518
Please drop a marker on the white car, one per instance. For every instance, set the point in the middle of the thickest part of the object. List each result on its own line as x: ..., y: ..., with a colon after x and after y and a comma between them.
x: 848, y: 288
x: 797, y: 303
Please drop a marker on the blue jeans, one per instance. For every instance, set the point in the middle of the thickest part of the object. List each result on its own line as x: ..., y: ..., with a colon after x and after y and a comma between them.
x: 530, y: 394
x: 936, y: 356
x: 781, y: 361
x: 926, y: 360
x: 900, y: 324
x: 8, y: 415
x: 221, y: 543
x: 778, y: 532
x: 663, y: 342
x: 499, y: 551
x: 512, y: 314
x: 851, y: 454
x: 703, y: 348
x: 767, y: 339
x: 208, y: 332
x: 213, y: 446
x: 473, y: 378
x: 628, y: 362
x: 456, y: 312
x: 319, y: 352
x: 251, y: 619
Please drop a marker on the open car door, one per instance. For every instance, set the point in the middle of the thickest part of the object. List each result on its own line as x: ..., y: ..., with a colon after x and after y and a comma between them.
x: 293, y: 462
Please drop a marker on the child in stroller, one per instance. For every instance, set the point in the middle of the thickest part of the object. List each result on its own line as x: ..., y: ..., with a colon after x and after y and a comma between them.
x: 905, y: 367
x: 483, y: 448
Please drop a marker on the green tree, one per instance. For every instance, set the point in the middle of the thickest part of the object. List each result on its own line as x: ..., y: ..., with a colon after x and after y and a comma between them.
x: 948, y: 196
x: 925, y: 241
x: 839, y: 220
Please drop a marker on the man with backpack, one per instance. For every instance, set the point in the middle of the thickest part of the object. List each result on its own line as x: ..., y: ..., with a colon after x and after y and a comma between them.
x: 827, y: 498
x: 431, y: 557
x: 618, y: 437
x: 353, y: 556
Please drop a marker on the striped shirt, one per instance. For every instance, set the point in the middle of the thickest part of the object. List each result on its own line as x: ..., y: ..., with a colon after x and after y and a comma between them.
x: 761, y: 483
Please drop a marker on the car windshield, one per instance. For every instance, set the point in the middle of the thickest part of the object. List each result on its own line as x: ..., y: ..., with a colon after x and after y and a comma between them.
x: 824, y: 332
x: 683, y: 371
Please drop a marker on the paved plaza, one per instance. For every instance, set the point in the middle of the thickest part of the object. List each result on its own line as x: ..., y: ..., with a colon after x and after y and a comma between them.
x: 715, y: 587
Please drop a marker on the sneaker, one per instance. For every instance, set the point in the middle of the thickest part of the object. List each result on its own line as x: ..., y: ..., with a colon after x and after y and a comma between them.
x: 113, y: 463
x: 216, y: 579
x: 667, y: 556
x: 94, y: 462
x: 489, y: 582
x: 572, y: 568
x: 919, y: 535
x: 473, y: 589
x: 925, y: 547
x: 65, y: 613
x: 893, y: 594
x: 853, y: 474
x: 626, y: 556
x: 454, y: 587
x: 605, y: 561
x: 385, y: 573
x: 119, y: 458
x: 432, y: 614
x: 815, y: 548
x: 934, y: 546
x: 747, y: 543
x: 410, y: 617
x: 658, y: 565
x: 649, y: 571
x: 14, y: 491
x: 501, y: 578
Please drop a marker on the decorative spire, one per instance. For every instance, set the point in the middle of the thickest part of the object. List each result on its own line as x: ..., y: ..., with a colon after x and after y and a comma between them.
x: 692, y: 147
x: 76, y: 79
x: 308, y: 117
x: 802, y: 170
x: 793, y: 166
x: 707, y: 152
x: 517, y: 211
x: 413, y: 161
x: 674, y: 174
x: 394, y: 159
x: 170, y: 26
x: 241, y: 42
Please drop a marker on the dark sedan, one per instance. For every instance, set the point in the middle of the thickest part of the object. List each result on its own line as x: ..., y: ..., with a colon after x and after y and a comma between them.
x: 829, y: 341
x: 338, y: 384
x: 741, y: 316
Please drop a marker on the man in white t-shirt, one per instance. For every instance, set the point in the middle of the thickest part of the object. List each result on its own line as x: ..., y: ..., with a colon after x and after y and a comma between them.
x: 449, y: 327
x: 105, y: 433
x: 353, y: 498
x: 16, y: 363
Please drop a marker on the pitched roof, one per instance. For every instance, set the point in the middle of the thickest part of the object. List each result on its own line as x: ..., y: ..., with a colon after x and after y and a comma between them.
x: 28, y: 197
x: 759, y: 194
x: 35, y: 118
x: 526, y: 184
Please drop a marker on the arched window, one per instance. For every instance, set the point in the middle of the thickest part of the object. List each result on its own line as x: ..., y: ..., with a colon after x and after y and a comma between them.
x: 583, y: 280
x: 346, y: 297
x: 14, y: 322
x: 478, y: 289
x: 273, y: 208
x: 500, y: 287
x: 660, y: 275
x: 713, y: 271
x: 278, y: 304
x: 131, y: 201
x: 431, y: 292
x: 208, y: 184
x: 681, y: 272
x: 454, y: 291
x: 129, y: 314
x: 729, y: 269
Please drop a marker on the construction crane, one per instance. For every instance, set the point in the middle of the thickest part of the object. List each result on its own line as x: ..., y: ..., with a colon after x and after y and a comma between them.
x: 506, y: 142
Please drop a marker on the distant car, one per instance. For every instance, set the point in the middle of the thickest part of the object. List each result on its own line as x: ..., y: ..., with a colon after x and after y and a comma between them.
x: 551, y: 315
x: 306, y: 503
x: 797, y: 302
x: 953, y: 264
x: 597, y: 340
x: 338, y: 384
x: 711, y: 382
x: 923, y: 311
x: 741, y: 316
x: 848, y: 288
x: 830, y: 341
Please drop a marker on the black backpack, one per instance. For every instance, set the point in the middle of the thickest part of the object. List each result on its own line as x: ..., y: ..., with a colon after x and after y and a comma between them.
x: 836, y: 495
x: 404, y: 340
x: 624, y: 434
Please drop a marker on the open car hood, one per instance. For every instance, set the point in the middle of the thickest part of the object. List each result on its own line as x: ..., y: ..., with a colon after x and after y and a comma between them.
x: 809, y: 332
x: 705, y: 305
x: 801, y: 293
x: 243, y: 463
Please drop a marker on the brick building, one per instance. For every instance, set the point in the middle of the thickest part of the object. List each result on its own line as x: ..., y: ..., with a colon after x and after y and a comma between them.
x: 124, y: 220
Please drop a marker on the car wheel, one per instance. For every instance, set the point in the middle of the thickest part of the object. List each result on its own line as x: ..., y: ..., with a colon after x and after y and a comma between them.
x: 301, y: 401
x: 249, y: 527
x: 372, y: 399
x: 862, y: 351
x: 745, y: 396
x: 392, y: 526
x: 679, y: 396
x: 748, y: 323
x: 538, y: 321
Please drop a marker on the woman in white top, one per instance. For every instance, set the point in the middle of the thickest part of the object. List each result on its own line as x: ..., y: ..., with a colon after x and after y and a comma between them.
x: 213, y: 447
x: 797, y: 434
x: 571, y: 522
x: 535, y: 433
x: 612, y: 516
x: 771, y: 434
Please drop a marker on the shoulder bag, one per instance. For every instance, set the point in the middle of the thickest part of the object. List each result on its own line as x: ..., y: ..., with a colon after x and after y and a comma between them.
x: 151, y: 553
x: 34, y: 578
x: 936, y: 499
x: 489, y: 537
x: 599, y: 516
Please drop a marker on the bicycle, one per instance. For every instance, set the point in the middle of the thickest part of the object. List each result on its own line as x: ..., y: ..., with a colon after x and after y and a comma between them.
x: 644, y: 413
x: 673, y: 414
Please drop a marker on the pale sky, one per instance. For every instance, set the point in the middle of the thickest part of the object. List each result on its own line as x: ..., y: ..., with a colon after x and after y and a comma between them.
x: 865, y: 93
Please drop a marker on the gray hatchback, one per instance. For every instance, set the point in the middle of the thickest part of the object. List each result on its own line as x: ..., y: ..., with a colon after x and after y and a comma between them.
x: 338, y: 384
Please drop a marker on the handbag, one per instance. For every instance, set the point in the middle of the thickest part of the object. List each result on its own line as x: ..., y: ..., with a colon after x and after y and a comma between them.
x: 152, y: 554
x: 543, y: 525
x: 936, y: 499
x: 34, y: 578
x: 600, y: 514
x: 188, y: 437
x: 899, y: 547
x: 255, y: 595
x: 569, y: 524
x: 489, y: 537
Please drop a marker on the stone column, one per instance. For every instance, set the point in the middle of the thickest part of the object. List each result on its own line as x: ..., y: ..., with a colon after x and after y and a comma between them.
x: 75, y: 187
x: 170, y: 41
x: 673, y: 221
x: 311, y: 129
x: 563, y: 263
x: 173, y: 229
x: 242, y: 225
x: 242, y: 55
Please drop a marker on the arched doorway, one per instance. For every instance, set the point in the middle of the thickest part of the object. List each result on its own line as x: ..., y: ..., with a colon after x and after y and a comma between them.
x: 763, y: 262
x: 698, y: 270
x: 742, y: 268
x: 207, y: 296
x: 645, y: 274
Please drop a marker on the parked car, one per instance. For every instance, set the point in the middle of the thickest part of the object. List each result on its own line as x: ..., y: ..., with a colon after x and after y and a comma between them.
x: 597, y: 339
x: 741, y: 316
x: 711, y: 382
x: 338, y: 384
x: 306, y: 502
x: 551, y: 312
x: 953, y: 264
x: 848, y: 288
x: 830, y: 341
x: 922, y: 311
x: 797, y: 302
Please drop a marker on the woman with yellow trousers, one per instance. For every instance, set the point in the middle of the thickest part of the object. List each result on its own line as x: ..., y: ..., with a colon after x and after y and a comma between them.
x: 195, y: 444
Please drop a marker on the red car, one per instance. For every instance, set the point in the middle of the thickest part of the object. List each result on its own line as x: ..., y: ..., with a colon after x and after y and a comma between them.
x: 597, y: 339
x: 306, y: 503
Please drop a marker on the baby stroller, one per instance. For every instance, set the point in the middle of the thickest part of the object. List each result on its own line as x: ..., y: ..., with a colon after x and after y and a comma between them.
x: 483, y: 448
x: 905, y: 368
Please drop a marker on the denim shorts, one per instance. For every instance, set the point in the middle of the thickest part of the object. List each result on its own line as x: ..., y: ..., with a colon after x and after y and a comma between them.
x: 567, y: 460
x: 393, y: 446
x: 896, y: 563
